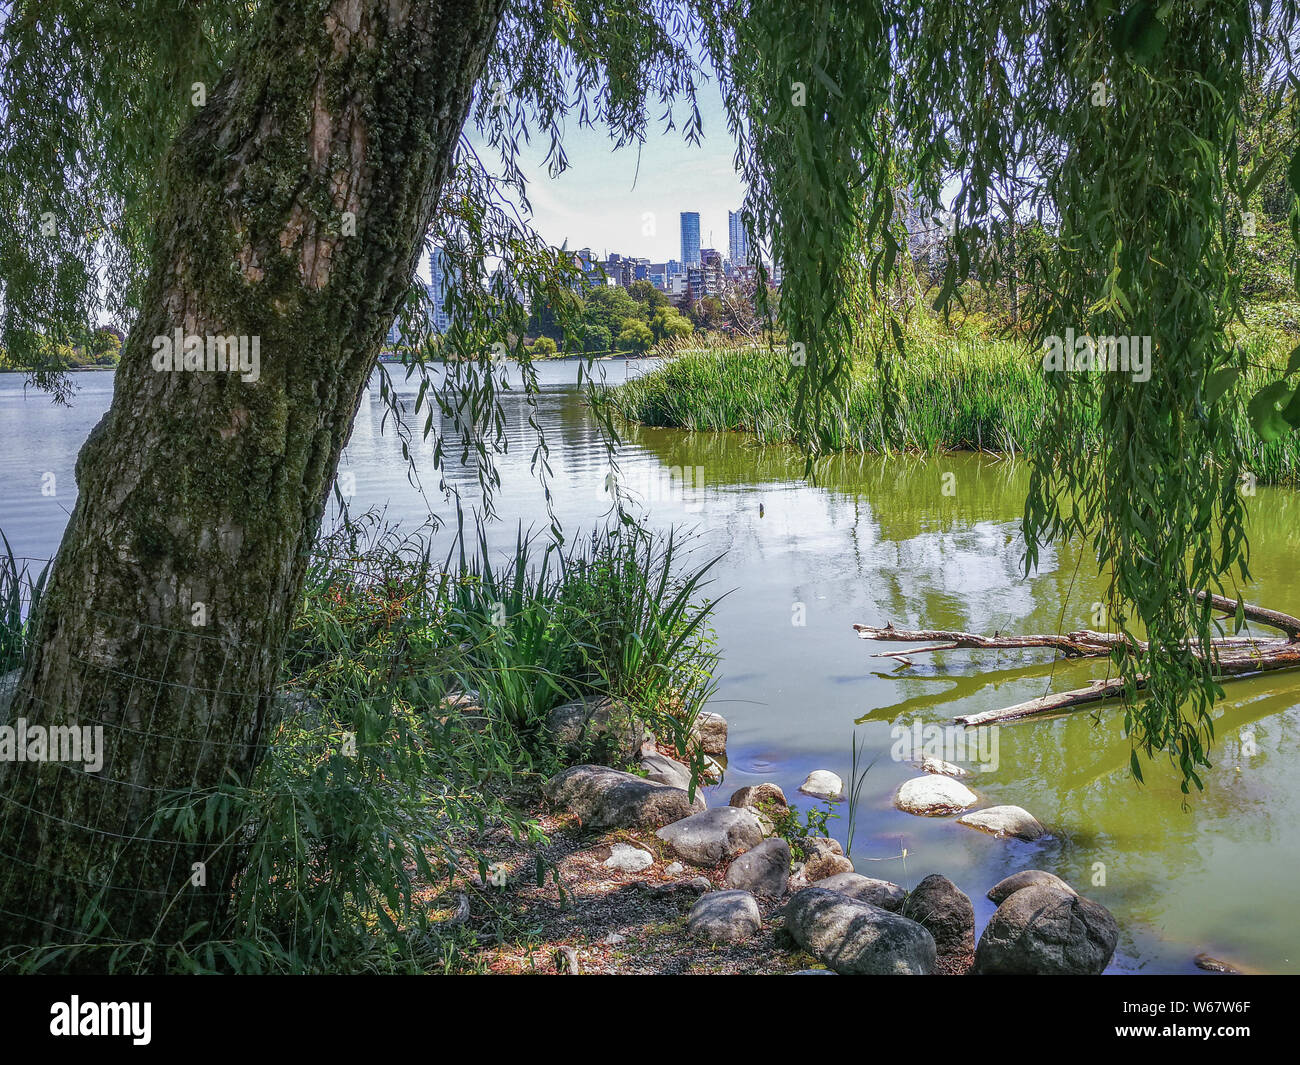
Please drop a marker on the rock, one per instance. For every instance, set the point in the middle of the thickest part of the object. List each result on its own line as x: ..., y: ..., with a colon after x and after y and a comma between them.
x: 856, y: 938
x: 609, y: 798
x: 676, y: 869
x: 724, y: 916
x: 698, y: 884
x: 713, y: 836
x: 945, y: 911
x: 613, y: 939
x: 712, y: 771
x: 822, y: 857
x: 865, y: 889
x: 1004, y: 821
x: 823, y: 784
x: 664, y: 770
x: 942, y: 768
x: 765, y: 870
x: 1214, y: 965
x: 459, y: 701
x: 1023, y: 879
x: 758, y: 795
x: 466, y: 707
x: 1041, y: 930
x: 598, y: 727
x: 710, y: 732
x: 934, y: 796
x: 628, y: 858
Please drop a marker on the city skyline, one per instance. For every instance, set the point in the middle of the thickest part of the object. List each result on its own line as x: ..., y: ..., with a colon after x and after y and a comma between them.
x: 630, y: 200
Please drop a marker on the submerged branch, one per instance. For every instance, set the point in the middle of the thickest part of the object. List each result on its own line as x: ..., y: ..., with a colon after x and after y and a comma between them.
x: 1233, y: 656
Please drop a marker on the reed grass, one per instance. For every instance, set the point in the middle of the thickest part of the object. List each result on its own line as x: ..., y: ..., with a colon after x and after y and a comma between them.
x: 950, y: 393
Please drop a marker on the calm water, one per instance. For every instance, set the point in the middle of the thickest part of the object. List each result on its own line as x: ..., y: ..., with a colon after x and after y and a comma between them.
x: 877, y: 541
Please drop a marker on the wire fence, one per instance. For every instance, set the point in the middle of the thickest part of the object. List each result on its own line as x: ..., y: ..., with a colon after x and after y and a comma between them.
x: 126, y: 815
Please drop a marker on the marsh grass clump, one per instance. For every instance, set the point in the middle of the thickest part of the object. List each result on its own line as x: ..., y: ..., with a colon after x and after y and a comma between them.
x: 962, y: 391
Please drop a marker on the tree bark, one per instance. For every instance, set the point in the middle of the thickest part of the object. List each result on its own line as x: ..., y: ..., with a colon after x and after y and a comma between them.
x: 200, y: 493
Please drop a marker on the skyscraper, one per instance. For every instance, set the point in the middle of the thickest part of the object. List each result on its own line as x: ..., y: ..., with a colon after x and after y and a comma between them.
x: 737, y: 239
x: 690, y: 238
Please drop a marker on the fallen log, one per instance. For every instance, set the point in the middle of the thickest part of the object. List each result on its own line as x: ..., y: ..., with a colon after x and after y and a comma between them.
x: 1074, y: 644
x: 1233, y: 656
x: 1285, y: 656
x: 1273, y: 618
x: 1082, y: 643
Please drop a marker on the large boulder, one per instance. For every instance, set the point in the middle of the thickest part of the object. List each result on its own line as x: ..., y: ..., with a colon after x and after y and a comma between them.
x: 947, y: 914
x: 759, y: 795
x: 713, y: 836
x: 1041, y: 930
x: 1004, y: 821
x: 822, y: 857
x: 765, y: 870
x: 865, y: 889
x: 609, y: 798
x: 856, y: 938
x: 724, y: 916
x: 710, y: 732
x: 823, y: 784
x: 932, y: 795
x: 1023, y: 879
x: 599, y: 728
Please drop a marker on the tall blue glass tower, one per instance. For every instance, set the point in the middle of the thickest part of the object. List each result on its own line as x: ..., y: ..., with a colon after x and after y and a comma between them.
x: 690, y: 238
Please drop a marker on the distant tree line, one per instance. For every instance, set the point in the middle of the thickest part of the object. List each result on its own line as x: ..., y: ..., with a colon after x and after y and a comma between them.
x: 103, y: 347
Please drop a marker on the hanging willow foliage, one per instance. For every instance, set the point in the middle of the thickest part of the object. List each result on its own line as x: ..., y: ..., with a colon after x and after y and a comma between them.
x: 1115, y: 126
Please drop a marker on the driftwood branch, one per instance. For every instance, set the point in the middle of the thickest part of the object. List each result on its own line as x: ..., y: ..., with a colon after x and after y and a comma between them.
x: 1273, y: 618
x: 1074, y: 644
x: 1233, y: 656
x: 1284, y: 655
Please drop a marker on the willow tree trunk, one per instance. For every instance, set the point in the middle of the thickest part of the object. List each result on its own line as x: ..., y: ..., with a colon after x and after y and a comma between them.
x: 298, y: 197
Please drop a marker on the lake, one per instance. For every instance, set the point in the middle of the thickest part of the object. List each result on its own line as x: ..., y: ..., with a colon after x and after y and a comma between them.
x: 874, y: 540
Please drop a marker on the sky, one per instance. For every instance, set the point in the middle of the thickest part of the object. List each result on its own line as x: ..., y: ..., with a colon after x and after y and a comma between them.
x: 602, y: 200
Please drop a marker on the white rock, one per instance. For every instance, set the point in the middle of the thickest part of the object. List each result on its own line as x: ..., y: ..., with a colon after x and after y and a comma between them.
x: 942, y: 768
x: 613, y: 939
x: 676, y: 869
x: 934, y: 796
x: 823, y: 784
x: 628, y: 858
x: 1003, y: 821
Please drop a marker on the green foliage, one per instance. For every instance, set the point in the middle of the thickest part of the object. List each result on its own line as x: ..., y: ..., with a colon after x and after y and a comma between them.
x: 20, y: 596
x: 411, y: 706
x: 80, y: 170
x: 952, y: 393
x: 835, y: 111
x: 787, y: 826
x: 635, y: 336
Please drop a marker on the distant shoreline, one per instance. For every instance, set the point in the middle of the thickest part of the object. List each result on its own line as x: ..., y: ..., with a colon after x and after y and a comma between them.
x: 547, y: 358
